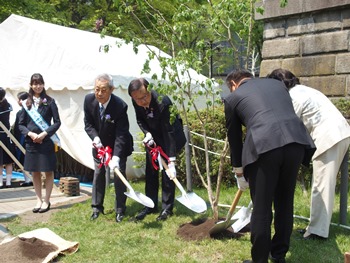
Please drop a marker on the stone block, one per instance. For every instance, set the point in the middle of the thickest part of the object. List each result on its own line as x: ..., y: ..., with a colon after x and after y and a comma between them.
x: 267, y: 66
x: 345, y: 17
x: 325, y: 42
x: 342, y: 64
x: 318, y: 22
x: 272, y: 7
x: 274, y: 29
x: 329, y: 85
x: 311, y: 66
x: 281, y: 47
x: 298, y: 25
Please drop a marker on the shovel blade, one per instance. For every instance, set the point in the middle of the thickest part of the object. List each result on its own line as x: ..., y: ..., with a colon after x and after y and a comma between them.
x: 193, y: 202
x: 243, y: 216
x: 141, y: 198
x: 220, y: 226
x: 241, y: 213
x: 240, y: 223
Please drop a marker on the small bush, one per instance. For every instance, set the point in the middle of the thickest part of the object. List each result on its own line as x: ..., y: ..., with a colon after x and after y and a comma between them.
x: 215, y: 129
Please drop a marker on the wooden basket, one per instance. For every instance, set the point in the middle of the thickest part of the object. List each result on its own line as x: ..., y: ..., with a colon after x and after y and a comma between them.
x: 69, y: 186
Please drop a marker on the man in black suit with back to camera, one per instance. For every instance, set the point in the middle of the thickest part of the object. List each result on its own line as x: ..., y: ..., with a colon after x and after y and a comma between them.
x: 107, y: 124
x: 275, y: 144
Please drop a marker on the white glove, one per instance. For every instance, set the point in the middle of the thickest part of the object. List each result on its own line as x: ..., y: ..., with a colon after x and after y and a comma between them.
x: 242, y: 183
x: 148, y: 139
x: 114, y: 163
x: 97, y: 143
x: 171, y: 166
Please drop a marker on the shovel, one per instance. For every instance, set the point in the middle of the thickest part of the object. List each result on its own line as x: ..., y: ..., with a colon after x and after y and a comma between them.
x: 190, y: 200
x: 223, y: 225
x: 243, y: 215
x: 137, y: 196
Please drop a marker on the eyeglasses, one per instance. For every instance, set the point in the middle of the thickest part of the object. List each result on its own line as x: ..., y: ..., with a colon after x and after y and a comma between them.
x: 144, y: 98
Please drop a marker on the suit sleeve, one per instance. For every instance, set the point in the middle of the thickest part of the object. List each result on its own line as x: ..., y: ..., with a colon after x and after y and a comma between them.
x: 168, y: 128
x: 52, y: 129
x: 234, y: 135
x: 88, y: 118
x: 123, y: 144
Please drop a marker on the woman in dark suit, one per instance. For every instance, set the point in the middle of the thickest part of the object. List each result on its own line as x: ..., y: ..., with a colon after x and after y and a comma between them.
x: 39, y: 142
x: 275, y: 144
x: 107, y: 124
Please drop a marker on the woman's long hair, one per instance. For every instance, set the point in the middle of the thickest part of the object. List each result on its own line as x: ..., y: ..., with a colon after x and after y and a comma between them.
x: 37, y: 78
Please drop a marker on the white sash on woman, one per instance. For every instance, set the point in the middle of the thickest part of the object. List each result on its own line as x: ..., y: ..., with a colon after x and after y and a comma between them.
x: 39, y: 121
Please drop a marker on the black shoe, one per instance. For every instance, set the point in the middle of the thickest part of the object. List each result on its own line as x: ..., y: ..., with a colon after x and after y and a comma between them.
x: 94, y: 215
x: 36, y: 210
x: 247, y: 261
x: 301, y: 231
x: 8, y: 186
x: 119, y: 217
x: 145, y: 211
x: 41, y: 210
x: 164, y: 215
x: 27, y: 184
x: 314, y: 237
x: 277, y: 260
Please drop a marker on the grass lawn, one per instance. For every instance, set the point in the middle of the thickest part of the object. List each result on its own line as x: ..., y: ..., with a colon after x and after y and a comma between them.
x: 104, y: 240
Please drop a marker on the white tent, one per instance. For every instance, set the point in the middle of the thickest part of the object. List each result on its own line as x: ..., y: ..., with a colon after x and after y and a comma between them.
x: 69, y: 59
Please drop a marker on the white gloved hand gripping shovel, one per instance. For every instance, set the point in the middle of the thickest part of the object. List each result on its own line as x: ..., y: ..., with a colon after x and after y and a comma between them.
x: 104, y: 155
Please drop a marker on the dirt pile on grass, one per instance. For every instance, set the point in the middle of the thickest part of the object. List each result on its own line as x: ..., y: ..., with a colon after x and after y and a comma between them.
x: 199, y: 230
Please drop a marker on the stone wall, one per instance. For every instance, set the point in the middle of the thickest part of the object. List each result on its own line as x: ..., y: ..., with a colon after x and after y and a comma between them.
x: 311, y: 39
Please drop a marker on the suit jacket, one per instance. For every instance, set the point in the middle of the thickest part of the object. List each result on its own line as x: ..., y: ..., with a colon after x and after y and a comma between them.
x: 265, y: 108
x: 326, y: 125
x: 156, y: 120
x: 49, y: 112
x: 113, y: 129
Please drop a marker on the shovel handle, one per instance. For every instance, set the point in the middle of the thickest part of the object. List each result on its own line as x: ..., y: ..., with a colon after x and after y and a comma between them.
x: 121, y: 176
x: 234, y: 204
x: 173, y: 177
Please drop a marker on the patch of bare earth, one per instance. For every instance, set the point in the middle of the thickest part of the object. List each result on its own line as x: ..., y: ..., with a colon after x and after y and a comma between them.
x: 199, y: 230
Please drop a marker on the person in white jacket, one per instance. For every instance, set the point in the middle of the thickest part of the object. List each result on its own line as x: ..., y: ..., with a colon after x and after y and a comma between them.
x: 331, y: 134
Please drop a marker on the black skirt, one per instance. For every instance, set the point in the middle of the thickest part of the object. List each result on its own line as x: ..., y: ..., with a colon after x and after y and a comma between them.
x: 40, y: 157
x: 4, y: 157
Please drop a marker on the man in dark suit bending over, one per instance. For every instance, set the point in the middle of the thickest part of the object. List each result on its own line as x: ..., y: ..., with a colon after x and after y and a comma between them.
x: 276, y: 143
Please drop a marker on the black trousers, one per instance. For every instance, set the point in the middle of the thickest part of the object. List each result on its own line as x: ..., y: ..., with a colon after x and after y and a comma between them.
x: 152, y: 185
x: 272, y: 180
x: 99, y: 187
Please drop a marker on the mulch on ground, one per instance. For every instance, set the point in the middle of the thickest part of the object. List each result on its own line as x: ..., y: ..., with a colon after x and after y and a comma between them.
x: 199, y: 230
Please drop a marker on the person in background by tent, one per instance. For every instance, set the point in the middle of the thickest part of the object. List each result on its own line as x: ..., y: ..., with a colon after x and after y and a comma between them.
x: 275, y: 144
x: 5, y: 159
x: 107, y: 124
x: 153, y: 118
x: 35, y: 123
x: 331, y: 134
x: 21, y: 96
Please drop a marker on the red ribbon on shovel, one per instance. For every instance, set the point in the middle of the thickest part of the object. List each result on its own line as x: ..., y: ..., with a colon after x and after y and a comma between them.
x: 104, y: 154
x: 154, y: 152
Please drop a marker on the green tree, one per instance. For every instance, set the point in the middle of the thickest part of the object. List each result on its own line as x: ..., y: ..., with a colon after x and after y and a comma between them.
x: 188, y: 32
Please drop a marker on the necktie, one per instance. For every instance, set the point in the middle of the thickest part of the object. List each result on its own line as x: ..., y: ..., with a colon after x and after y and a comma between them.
x: 102, y: 109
